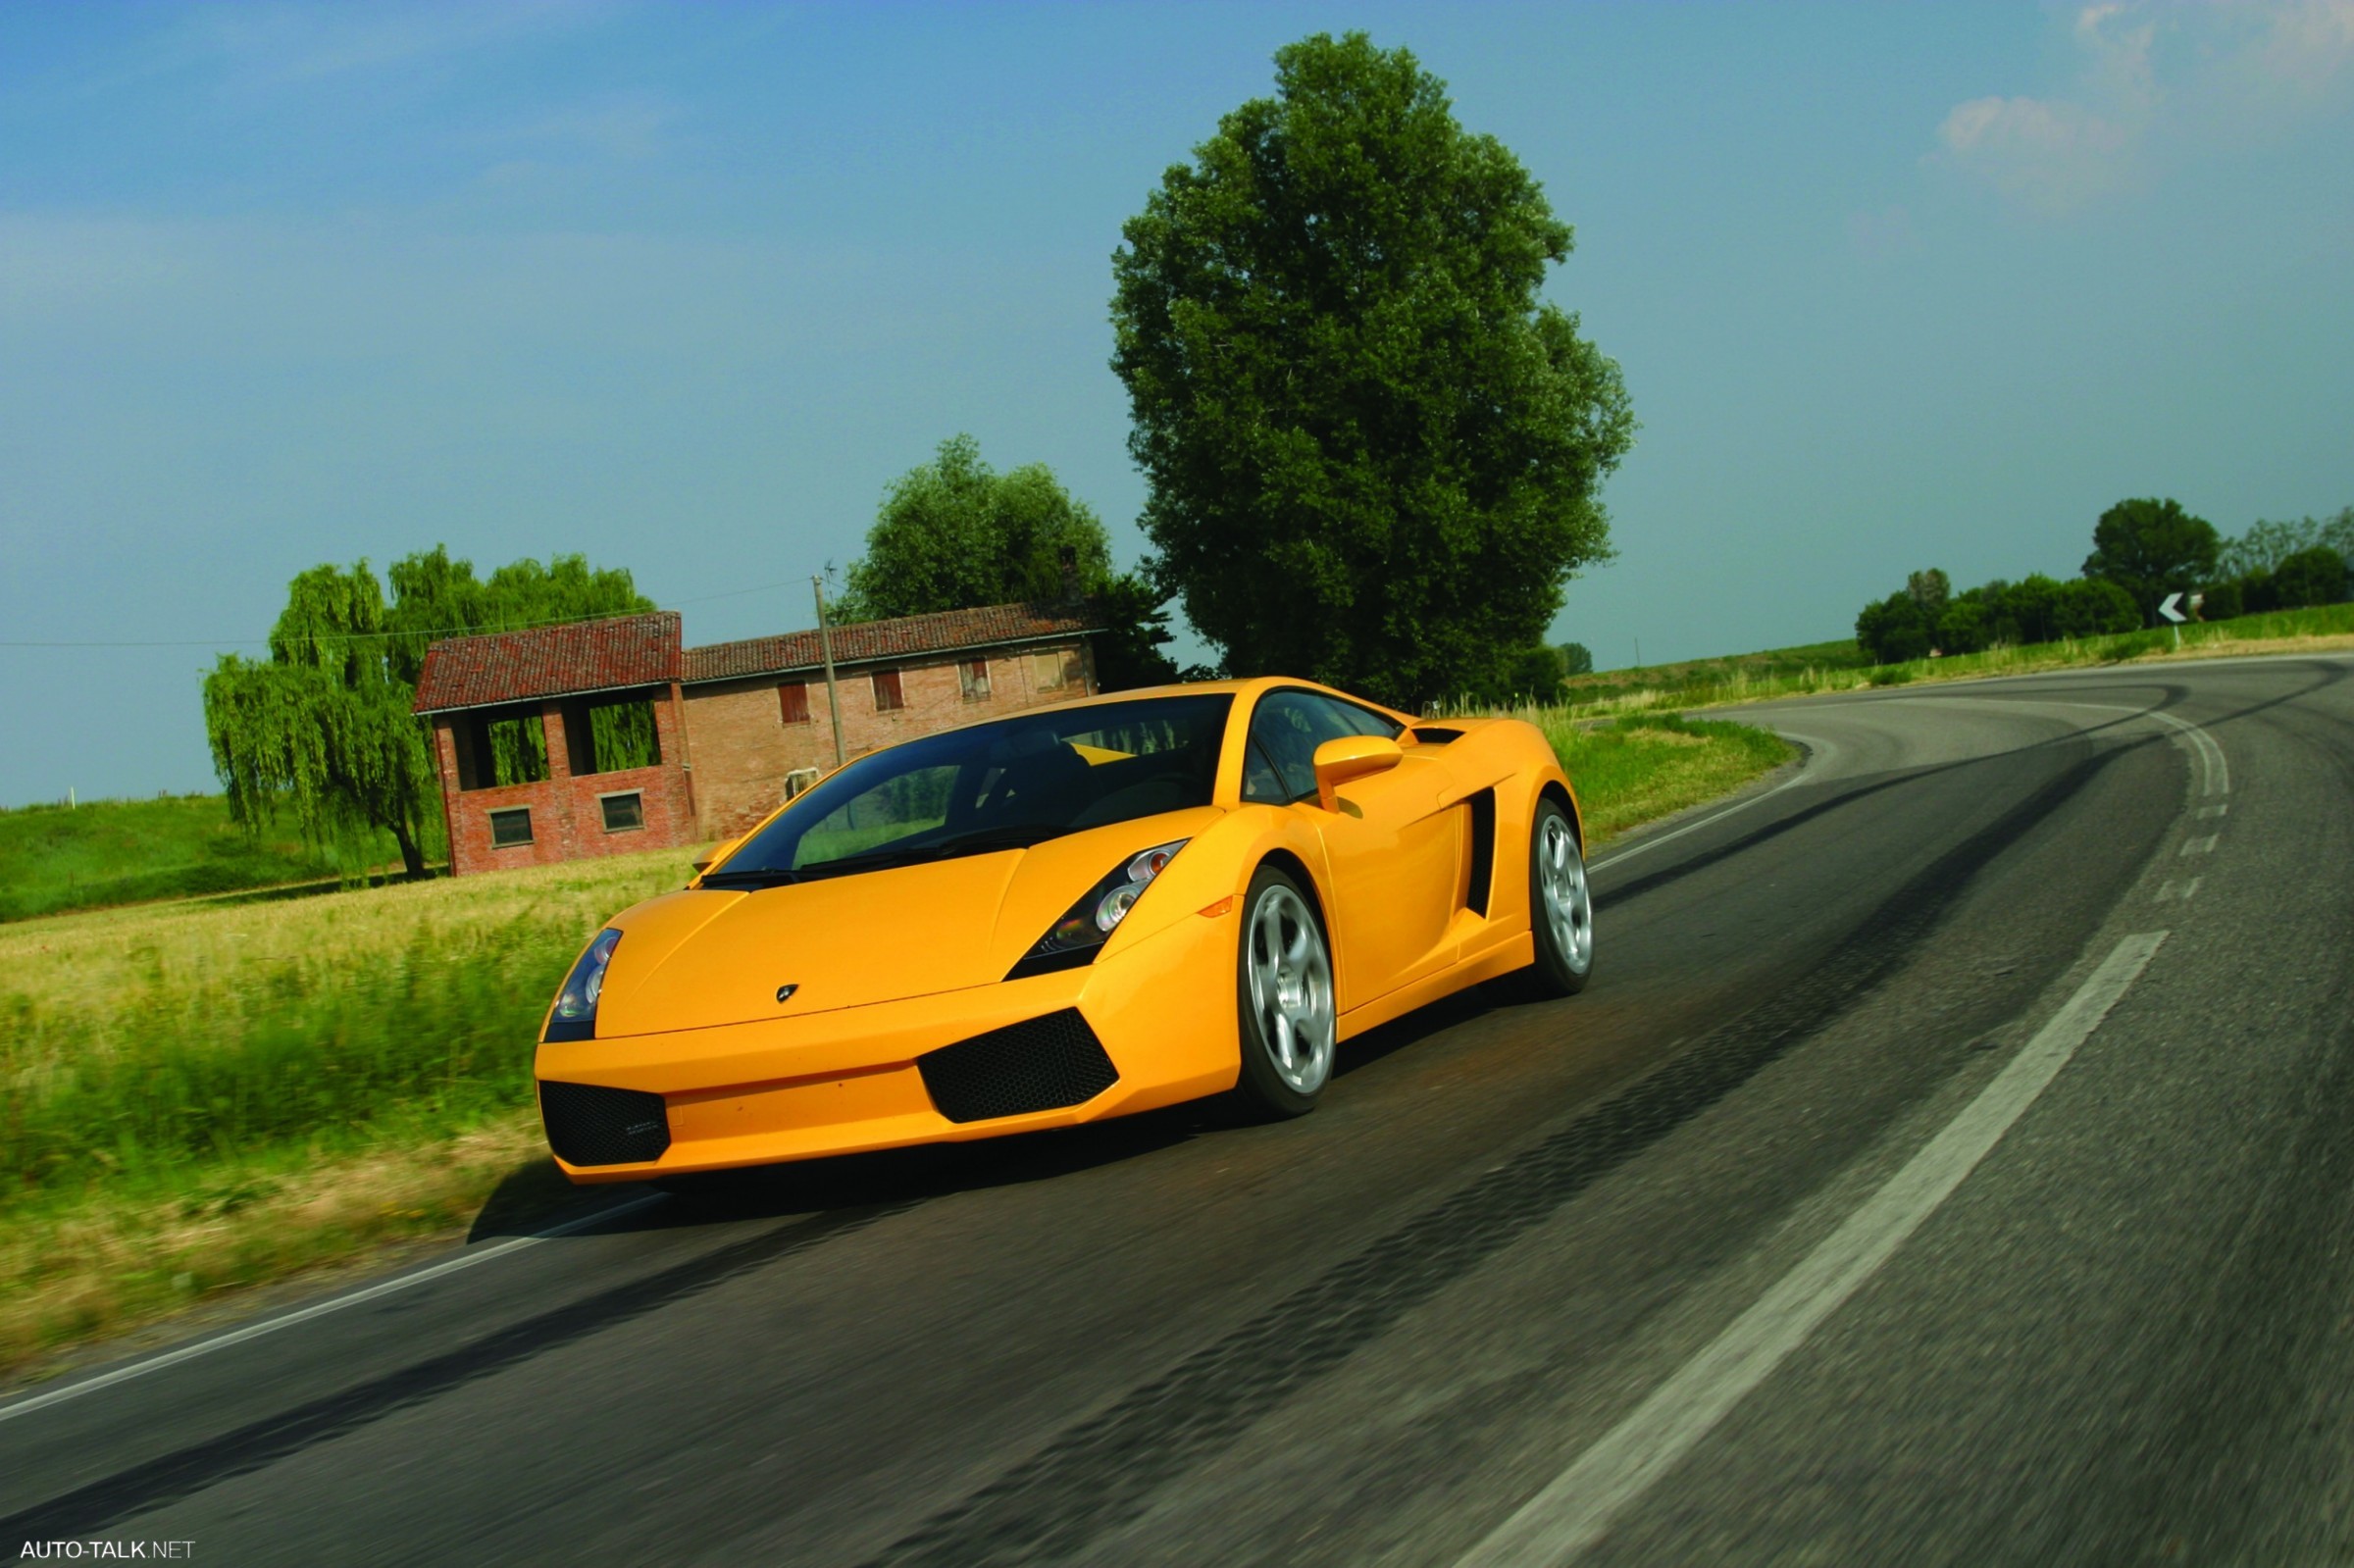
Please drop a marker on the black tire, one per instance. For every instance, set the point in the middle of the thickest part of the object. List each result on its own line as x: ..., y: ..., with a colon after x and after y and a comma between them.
x: 1559, y: 917
x: 1274, y: 1081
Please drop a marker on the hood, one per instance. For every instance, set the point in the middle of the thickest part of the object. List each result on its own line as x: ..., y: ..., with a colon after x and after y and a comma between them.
x: 708, y: 956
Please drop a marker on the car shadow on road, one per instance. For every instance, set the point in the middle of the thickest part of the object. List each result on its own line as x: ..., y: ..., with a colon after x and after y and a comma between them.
x: 535, y: 1196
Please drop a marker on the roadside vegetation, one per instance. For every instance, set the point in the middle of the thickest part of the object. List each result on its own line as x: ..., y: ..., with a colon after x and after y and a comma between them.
x: 104, y: 852
x: 1841, y: 667
x: 203, y: 1097
x: 206, y: 1097
x: 1643, y: 767
x: 2146, y: 554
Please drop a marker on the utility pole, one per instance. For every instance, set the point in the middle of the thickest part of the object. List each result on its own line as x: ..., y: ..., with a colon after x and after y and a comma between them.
x: 825, y: 646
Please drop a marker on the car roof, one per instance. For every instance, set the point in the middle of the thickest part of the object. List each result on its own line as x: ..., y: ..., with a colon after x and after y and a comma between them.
x: 1243, y: 688
x: 1249, y: 686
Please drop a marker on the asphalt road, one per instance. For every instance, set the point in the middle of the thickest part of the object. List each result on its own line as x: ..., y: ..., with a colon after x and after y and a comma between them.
x: 1953, y: 1161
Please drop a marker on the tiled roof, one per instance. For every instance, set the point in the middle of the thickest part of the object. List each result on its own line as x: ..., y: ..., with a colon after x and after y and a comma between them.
x: 948, y: 632
x: 550, y: 661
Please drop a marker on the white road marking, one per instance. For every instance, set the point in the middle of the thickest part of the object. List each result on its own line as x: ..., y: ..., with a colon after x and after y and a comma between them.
x: 2200, y: 846
x: 2214, y: 811
x: 2214, y: 770
x: 2192, y: 887
x: 2166, y: 890
x: 1822, y: 749
x: 254, y: 1331
x: 1577, y: 1508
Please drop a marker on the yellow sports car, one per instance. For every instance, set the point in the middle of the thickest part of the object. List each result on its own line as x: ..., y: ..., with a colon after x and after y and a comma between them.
x: 1077, y: 912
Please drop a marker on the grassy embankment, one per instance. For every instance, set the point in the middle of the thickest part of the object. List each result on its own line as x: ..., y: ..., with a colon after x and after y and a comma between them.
x: 107, y: 852
x: 201, y: 1098
x: 1842, y: 666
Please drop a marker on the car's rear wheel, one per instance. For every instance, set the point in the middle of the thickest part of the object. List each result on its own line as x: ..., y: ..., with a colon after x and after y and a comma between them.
x: 1284, y: 992
x: 1561, y: 905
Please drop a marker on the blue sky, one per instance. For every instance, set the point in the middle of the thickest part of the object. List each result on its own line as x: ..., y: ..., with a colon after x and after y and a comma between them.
x: 683, y: 288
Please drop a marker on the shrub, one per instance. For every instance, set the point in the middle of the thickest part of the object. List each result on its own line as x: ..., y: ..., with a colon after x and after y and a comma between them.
x: 1894, y: 630
x: 2317, y: 576
x: 2091, y: 607
x: 2224, y: 603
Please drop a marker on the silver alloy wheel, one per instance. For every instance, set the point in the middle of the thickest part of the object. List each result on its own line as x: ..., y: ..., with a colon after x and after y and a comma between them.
x: 1569, y: 907
x: 1291, y: 988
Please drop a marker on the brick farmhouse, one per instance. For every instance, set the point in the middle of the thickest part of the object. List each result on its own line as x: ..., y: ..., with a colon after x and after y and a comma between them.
x: 599, y: 737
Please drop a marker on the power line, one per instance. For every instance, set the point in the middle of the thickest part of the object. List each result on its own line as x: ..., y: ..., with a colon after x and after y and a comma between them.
x: 368, y: 636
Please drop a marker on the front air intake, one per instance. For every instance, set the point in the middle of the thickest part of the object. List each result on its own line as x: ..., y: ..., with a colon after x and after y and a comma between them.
x: 587, y: 1125
x: 1041, y: 1064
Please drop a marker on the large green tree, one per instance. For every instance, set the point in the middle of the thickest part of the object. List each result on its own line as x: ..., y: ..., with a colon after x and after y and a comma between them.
x: 953, y: 533
x: 1374, y: 453
x: 323, y: 730
x: 2151, y: 548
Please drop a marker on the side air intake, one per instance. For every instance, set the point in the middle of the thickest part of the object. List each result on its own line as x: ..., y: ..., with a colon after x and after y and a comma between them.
x: 592, y: 1126
x: 1483, y: 851
x: 1041, y: 1064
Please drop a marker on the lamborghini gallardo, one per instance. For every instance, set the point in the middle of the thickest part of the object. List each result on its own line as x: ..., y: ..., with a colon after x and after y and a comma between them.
x: 1076, y: 912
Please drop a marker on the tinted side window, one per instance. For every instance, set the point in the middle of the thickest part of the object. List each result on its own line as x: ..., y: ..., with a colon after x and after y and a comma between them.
x: 1362, y: 721
x: 1285, y: 732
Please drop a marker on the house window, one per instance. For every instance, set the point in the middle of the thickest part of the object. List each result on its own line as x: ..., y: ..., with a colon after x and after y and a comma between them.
x: 1054, y: 668
x: 511, y: 828
x: 973, y: 676
x: 887, y: 696
x: 624, y: 812
x: 611, y: 735
x: 498, y: 748
x: 792, y: 699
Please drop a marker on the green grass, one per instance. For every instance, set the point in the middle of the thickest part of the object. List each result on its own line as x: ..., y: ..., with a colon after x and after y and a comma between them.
x: 107, y: 852
x: 208, y: 1095
x: 1644, y: 767
x: 236, y: 1090
x: 1769, y: 664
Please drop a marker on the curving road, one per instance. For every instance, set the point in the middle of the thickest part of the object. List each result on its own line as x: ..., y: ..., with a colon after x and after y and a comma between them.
x: 1953, y: 1162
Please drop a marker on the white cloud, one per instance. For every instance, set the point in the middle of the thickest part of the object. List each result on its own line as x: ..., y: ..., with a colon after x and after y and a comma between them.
x: 2050, y: 155
x: 2304, y: 48
x: 2155, y: 80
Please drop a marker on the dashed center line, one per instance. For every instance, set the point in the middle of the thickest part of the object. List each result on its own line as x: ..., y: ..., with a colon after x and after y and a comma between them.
x: 2200, y: 846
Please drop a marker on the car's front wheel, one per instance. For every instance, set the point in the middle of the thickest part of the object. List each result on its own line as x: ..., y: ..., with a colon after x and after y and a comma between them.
x: 1560, y: 906
x: 1284, y: 991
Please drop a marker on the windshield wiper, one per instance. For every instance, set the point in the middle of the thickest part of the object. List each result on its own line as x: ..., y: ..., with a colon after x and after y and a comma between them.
x: 750, y: 878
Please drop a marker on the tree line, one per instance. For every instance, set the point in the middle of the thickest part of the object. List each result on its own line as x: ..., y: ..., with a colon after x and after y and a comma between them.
x: 2143, y: 550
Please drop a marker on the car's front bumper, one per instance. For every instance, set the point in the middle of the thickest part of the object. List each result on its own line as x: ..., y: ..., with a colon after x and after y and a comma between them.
x: 848, y: 1079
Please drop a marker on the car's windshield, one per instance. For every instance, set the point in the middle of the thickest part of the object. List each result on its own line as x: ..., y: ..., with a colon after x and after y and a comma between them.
x: 993, y: 787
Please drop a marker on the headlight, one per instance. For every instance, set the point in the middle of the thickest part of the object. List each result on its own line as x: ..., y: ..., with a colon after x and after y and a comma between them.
x: 1087, y: 925
x: 575, y: 1015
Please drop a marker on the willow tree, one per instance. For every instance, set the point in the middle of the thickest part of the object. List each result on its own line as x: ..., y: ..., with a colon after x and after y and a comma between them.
x: 323, y: 729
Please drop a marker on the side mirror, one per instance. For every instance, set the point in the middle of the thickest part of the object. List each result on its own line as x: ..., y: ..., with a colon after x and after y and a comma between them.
x: 704, y: 861
x: 1352, y: 757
